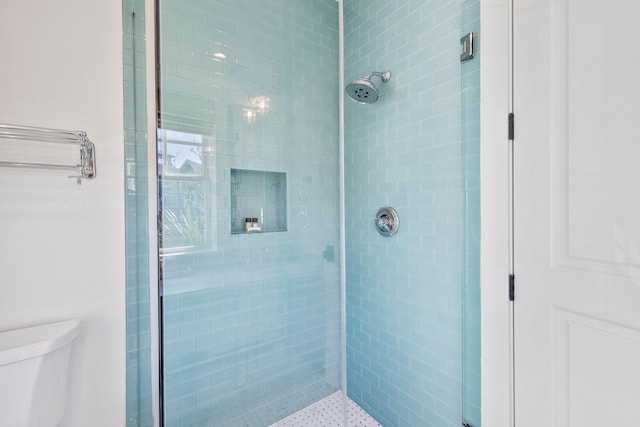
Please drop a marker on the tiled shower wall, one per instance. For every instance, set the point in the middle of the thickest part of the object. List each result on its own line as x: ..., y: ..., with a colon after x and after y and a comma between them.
x: 405, y: 293
x: 252, y: 321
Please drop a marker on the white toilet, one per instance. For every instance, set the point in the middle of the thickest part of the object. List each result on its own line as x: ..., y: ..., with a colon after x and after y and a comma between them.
x: 34, y: 370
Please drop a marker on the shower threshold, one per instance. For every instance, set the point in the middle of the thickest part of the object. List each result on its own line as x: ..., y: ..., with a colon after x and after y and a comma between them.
x: 328, y: 413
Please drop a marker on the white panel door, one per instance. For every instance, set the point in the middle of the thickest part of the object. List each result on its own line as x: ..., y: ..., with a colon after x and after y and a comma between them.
x: 577, y: 213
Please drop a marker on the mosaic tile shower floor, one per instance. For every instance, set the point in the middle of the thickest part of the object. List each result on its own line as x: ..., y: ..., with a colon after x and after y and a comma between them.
x: 328, y: 413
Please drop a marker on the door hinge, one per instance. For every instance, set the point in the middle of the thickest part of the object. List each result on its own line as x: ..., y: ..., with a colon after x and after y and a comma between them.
x: 511, y: 126
x: 512, y: 287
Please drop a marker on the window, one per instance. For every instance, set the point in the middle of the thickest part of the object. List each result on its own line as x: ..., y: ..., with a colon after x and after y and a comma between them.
x: 183, y: 192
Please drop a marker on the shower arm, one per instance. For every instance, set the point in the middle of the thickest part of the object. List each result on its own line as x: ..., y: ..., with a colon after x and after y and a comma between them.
x: 385, y: 76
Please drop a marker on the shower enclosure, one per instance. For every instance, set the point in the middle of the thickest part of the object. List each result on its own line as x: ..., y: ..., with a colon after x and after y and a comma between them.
x: 276, y: 290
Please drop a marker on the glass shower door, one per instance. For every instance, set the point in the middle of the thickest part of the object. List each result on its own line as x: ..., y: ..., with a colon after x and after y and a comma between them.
x: 248, y: 209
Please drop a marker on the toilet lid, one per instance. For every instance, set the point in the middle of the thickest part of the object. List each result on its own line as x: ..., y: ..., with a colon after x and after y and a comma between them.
x: 22, y: 344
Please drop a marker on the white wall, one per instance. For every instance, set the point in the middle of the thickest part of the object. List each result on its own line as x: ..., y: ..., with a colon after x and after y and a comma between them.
x: 62, y: 245
x: 494, y: 177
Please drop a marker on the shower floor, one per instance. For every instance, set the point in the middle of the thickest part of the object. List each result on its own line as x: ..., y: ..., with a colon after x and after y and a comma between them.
x: 328, y: 413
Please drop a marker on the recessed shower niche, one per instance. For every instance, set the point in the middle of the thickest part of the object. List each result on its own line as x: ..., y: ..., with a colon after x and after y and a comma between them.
x: 258, y: 201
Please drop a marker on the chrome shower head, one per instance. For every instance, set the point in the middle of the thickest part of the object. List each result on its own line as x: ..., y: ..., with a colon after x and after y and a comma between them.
x: 363, y: 91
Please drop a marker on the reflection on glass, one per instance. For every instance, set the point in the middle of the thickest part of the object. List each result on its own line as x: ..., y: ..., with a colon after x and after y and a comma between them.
x: 183, y: 196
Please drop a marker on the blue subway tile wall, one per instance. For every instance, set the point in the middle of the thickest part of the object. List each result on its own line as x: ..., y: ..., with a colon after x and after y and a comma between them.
x: 138, y: 357
x: 251, y: 320
x: 405, y: 293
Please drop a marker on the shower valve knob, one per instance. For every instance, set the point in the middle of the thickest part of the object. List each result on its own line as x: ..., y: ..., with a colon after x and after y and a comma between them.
x: 387, y: 221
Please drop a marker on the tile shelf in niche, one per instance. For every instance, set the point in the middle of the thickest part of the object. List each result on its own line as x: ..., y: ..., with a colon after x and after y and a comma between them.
x: 258, y: 201
x: 255, y: 232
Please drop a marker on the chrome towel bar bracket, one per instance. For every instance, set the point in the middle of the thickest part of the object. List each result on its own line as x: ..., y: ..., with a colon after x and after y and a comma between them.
x: 86, y: 168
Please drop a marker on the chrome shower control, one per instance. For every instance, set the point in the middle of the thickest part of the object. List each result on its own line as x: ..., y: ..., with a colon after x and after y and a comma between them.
x: 387, y: 221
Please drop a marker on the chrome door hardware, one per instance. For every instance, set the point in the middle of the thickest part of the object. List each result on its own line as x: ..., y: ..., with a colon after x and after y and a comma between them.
x: 466, y: 43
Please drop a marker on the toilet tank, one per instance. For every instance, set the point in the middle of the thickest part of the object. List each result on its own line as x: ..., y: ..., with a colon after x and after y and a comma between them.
x: 34, y: 371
